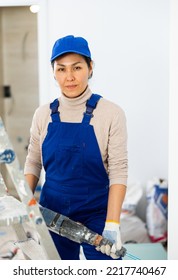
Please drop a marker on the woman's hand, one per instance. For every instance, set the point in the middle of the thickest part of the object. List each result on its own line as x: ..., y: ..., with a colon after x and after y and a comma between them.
x: 111, y: 232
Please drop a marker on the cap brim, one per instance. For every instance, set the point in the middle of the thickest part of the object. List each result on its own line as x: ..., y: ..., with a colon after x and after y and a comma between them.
x: 69, y: 51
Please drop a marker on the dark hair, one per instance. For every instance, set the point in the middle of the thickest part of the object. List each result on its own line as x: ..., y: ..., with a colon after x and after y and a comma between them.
x: 87, y: 59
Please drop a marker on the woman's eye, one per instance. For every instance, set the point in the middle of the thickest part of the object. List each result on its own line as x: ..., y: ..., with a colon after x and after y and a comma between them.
x: 60, y: 69
x: 77, y: 68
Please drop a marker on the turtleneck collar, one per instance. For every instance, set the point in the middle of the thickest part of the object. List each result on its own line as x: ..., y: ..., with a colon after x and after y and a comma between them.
x: 78, y: 101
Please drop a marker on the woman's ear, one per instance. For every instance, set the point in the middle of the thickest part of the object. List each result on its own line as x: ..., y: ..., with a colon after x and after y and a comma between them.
x: 90, y: 70
x: 91, y: 65
x: 91, y: 74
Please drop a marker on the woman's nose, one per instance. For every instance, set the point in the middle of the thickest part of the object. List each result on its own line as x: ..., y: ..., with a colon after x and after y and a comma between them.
x: 70, y: 76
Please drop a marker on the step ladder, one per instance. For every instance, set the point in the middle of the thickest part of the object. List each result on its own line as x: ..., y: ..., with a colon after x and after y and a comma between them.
x: 21, y: 215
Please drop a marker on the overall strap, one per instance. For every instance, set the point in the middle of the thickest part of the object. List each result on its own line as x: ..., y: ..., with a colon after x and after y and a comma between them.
x: 55, y: 115
x: 90, y: 106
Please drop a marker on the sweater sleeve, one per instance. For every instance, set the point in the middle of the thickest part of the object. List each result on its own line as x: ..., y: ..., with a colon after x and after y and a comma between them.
x: 33, y: 162
x: 117, y: 150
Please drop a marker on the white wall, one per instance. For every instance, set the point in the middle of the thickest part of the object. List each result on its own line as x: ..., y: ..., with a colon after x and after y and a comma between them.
x: 129, y: 41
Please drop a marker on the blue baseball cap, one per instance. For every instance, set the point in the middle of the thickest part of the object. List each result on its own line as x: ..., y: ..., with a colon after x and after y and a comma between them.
x: 70, y: 44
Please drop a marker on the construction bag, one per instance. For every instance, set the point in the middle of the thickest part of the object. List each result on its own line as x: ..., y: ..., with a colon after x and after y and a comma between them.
x: 157, y: 210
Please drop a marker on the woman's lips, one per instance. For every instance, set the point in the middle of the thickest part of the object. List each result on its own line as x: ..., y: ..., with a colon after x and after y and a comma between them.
x: 71, y: 86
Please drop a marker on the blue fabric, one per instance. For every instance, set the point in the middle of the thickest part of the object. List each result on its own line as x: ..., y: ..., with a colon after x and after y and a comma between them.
x: 76, y: 183
x: 70, y: 44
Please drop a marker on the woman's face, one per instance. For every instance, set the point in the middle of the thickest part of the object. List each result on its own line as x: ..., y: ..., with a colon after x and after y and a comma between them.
x: 72, y: 72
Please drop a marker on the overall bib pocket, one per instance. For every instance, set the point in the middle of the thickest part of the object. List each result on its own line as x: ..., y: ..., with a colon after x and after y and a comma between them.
x: 69, y: 161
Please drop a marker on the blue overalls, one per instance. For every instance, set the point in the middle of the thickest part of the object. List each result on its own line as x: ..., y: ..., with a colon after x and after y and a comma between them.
x: 76, y: 182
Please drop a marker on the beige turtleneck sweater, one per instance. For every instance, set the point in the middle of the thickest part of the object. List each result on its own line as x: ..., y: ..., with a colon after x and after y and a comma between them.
x: 109, y: 124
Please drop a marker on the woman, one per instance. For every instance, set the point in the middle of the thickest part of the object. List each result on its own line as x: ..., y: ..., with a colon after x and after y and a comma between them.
x: 81, y: 141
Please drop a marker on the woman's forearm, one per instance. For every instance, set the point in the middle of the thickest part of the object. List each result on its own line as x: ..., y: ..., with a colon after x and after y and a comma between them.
x: 115, y: 200
x: 32, y: 181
